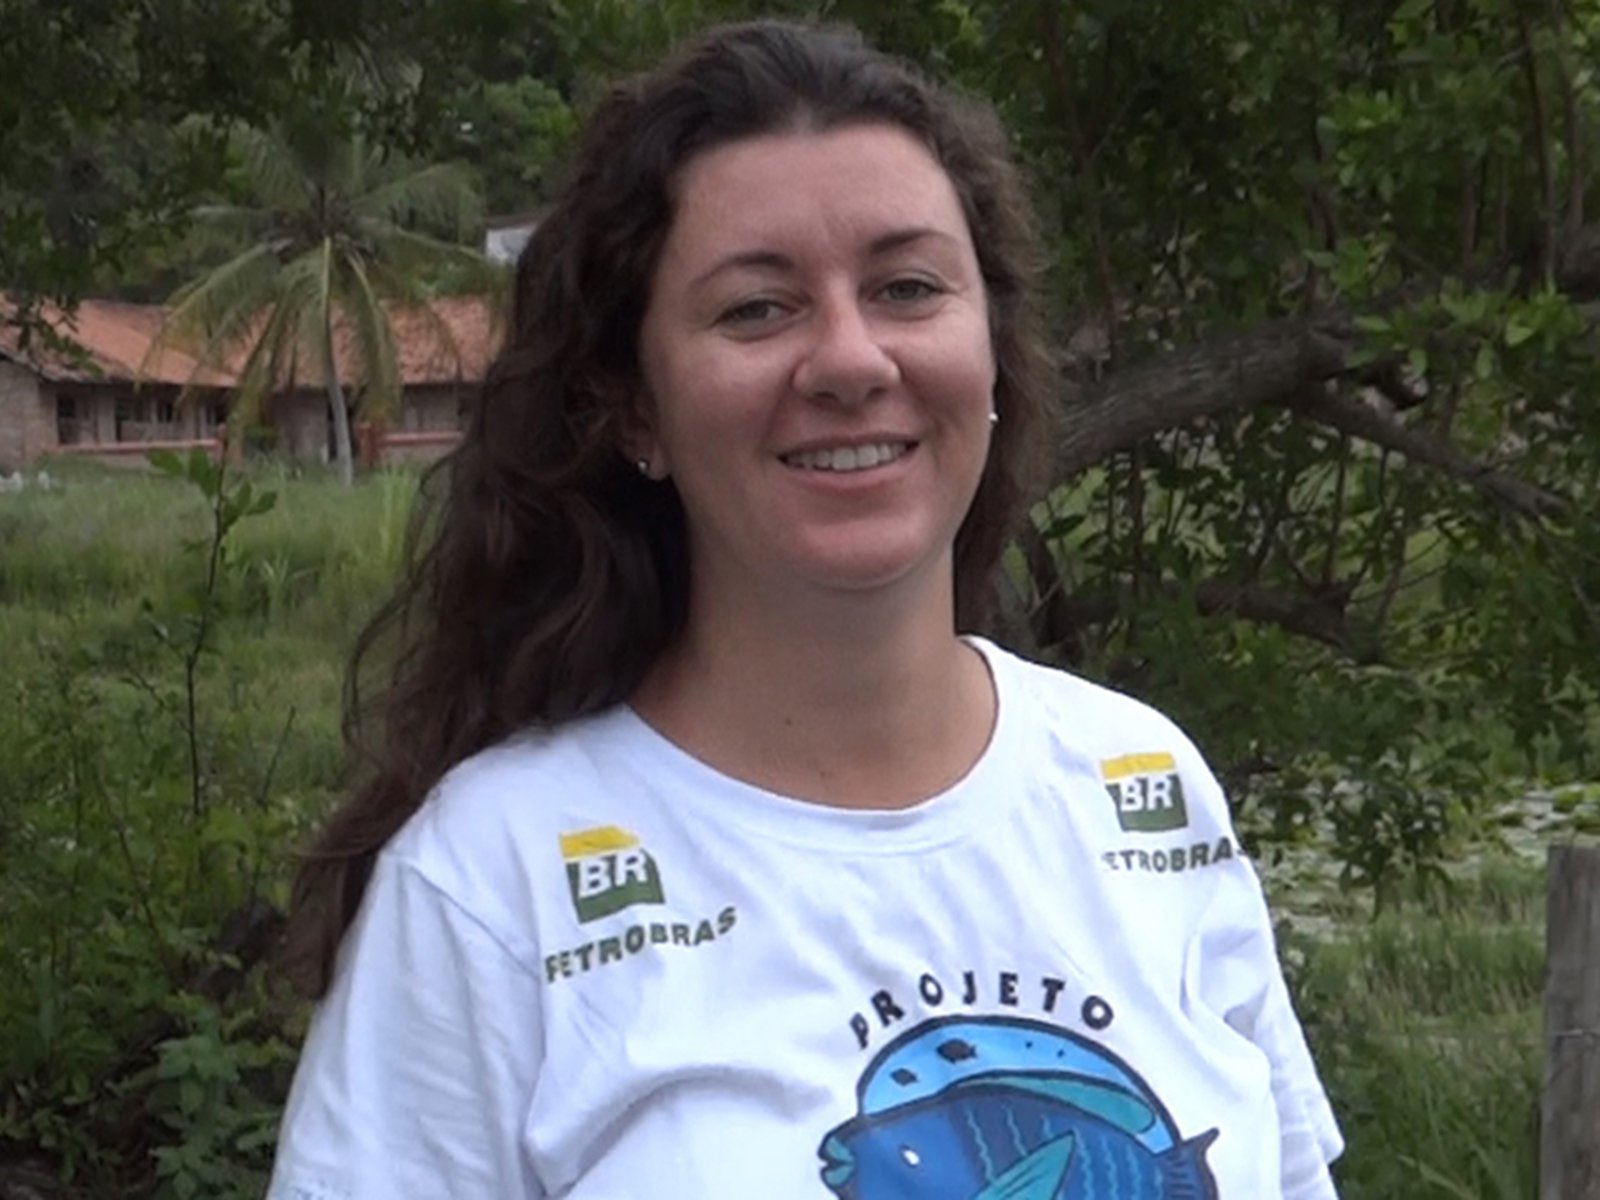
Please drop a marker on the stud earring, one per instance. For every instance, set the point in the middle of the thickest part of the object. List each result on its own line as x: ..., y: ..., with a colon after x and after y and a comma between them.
x: 994, y: 417
x: 644, y: 466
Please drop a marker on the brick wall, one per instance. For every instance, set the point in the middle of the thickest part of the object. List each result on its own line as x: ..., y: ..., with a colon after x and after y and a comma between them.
x: 27, y: 416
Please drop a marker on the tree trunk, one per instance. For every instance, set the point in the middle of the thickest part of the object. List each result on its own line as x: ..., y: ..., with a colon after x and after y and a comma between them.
x: 336, y: 404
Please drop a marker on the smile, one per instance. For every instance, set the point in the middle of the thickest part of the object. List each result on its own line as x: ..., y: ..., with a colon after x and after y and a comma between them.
x: 848, y: 458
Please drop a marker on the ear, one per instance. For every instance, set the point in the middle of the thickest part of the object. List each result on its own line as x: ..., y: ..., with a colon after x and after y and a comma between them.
x: 637, y: 440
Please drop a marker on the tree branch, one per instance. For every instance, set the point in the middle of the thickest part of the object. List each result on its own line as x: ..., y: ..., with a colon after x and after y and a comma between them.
x: 1363, y: 421
x: 1272, y: 365
x: 1319, y: 615
x: 1230, y: 375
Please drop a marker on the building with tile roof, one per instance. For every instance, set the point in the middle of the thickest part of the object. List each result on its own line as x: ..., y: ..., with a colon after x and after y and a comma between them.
x: 98, y: 383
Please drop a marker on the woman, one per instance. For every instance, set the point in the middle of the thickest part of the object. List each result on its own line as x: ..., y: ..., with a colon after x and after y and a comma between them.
x: 704, y: 858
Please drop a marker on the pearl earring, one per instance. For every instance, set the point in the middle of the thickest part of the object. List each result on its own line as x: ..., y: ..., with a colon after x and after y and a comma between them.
x: 644, y: 466
x: 994, y: 417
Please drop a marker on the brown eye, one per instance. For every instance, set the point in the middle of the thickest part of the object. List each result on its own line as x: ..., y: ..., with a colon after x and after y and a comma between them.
x: 908, y: 291
x: 752, y: 312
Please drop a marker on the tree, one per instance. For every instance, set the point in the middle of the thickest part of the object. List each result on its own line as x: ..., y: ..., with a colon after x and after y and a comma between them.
x: 1330, y: 462
x: 338, y: 236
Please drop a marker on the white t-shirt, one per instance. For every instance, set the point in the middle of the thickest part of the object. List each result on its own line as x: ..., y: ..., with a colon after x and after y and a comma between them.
x: 591, y: 966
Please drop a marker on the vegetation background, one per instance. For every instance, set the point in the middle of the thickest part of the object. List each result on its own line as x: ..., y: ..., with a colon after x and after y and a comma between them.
x: 1323, y: 285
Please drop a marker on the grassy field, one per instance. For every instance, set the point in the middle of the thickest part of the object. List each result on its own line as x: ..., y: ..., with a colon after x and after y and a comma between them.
x: 137, y: 826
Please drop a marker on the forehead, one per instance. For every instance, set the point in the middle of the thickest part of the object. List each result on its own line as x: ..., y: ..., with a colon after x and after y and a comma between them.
x: 835, y: 188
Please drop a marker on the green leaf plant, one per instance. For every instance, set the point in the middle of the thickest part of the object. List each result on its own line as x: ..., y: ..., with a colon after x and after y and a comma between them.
x: 140, y: 1049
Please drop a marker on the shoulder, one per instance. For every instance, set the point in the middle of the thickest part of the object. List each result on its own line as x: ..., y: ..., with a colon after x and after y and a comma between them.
x: 1090, y: 712
x: 1109, y: 733
x: 490, y: 832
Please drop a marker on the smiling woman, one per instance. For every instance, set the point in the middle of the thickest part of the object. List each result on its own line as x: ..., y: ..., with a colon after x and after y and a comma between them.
x: 711, y: 848
x: 817, y: 382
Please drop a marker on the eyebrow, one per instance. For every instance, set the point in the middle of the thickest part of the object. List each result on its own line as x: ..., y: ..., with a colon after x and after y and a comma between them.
x: 904, y: 237
x: 772, y: 260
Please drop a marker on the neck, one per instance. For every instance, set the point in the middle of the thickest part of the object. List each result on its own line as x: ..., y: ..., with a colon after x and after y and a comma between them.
x: 852, y: 701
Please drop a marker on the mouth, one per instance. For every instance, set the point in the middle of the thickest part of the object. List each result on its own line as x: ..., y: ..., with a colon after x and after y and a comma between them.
x: 844, y: 459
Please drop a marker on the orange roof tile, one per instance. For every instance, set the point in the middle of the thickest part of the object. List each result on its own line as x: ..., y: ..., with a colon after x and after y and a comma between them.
x: 116, y: 339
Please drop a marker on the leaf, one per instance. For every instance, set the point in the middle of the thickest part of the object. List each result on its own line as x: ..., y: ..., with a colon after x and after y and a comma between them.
x: 1484, y: 364
x: 1439, y: 1179
x: 227, y: 827
x: 204, y: 473
x: 1468, y: 309
x: 1518, y: 331
x: 167, y: 463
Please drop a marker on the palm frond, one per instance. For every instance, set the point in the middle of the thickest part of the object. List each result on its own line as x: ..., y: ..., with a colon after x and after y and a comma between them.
x: 439, y: 198
x: 280, y: 340
x: 259, y: 374
x: 276, y: 176
x: 209, y: 317
x: 389, y: 283
x: 433, y: 264
x: 396, y: 286
x: 213, y: 303
x: 375, y: 340
x: 236, y: 220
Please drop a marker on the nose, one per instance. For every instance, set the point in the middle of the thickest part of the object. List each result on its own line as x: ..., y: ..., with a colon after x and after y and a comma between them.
x: 845, y: 359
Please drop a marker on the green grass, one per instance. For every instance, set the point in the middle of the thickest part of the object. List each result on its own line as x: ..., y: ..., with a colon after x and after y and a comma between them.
x: 1427, y: 1028
x: 79, y: 563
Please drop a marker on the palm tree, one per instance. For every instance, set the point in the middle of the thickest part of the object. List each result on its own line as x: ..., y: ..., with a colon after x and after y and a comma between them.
x: 339, y: 237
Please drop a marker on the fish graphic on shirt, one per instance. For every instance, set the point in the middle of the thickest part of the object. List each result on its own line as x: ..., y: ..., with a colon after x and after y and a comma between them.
x: 1009, y: 1110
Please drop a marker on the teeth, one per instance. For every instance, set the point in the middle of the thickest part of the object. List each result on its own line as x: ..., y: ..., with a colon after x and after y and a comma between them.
x: 848, y: 458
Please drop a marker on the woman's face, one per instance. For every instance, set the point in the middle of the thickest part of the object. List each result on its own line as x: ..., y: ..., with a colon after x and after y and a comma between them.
x: 817, y: 370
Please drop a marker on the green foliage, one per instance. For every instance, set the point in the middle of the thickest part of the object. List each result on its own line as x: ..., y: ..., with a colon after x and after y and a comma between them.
x: 1427, y: 1032
x: 111, y: 117
x: 517, y: 134
x: 145, y: 810
x: 221, y: 1132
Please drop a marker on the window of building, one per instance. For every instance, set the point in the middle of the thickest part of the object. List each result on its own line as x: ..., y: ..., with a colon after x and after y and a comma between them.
x: 69, y: 425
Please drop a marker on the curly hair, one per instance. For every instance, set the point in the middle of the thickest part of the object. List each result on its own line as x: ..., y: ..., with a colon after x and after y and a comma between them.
x: 544, y: 575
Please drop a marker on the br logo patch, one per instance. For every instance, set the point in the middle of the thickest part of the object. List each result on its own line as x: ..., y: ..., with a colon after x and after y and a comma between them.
x: 608, y: 871
x: 1146, y: 792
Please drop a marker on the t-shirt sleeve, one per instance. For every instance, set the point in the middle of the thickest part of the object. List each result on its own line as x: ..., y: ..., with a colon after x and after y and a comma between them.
x: 1234, y: 967
x: 418, y: 1071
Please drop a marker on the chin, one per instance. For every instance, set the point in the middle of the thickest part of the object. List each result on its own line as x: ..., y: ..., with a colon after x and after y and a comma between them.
x: 864, y: 568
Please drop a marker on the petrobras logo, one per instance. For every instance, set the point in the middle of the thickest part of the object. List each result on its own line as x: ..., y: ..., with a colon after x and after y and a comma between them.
x: 608, y: 870
x: 1145, y: 791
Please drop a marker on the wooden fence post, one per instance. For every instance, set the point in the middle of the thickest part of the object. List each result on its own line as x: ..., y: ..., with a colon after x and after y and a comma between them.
x: 369, y: 445
x: 1569, y: 1149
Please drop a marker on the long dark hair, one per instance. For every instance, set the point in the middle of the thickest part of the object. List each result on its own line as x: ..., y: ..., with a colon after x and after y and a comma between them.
x: 544, y: 573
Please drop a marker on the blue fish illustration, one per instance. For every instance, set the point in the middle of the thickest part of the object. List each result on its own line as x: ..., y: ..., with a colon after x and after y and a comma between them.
x: 1009, y: 1110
